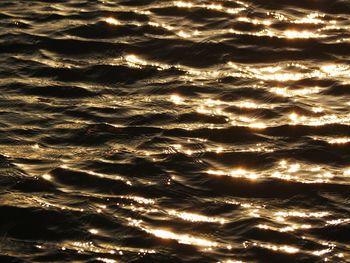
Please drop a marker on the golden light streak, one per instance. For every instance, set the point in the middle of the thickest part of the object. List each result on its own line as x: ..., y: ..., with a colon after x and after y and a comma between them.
x: 181, y: 238
x: 112, y: 21
x: 237, y: 173
x: 341, y: 140
x: 192, y: 217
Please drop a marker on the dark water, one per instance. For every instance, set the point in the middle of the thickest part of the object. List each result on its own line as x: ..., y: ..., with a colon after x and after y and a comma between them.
x: 169, y: 131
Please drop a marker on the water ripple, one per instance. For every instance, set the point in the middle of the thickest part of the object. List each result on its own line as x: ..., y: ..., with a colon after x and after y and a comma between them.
x: 178, y: 131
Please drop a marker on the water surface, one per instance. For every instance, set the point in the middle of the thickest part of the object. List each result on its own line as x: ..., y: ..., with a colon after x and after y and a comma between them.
x: 174, y: 131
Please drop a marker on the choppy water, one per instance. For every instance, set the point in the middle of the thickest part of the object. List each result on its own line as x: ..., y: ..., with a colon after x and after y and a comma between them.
x: 170, y: 131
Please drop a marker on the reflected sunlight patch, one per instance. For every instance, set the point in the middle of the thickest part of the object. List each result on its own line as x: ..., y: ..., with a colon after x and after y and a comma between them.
x: 301, y: 34
x: 281, y: 73
x: 285, y: 92
x: 302, y: 214
x: 212, y: 6
x: 176, y: 99
x: 237, y: 173
x: 289, y: 228
x: 332, y: 140
x: 298, y: 119
x: 181, y: 238
x: 196, y: 217
x: 280, y: 248
x: 102, y: 248
x: 112, y: 21
x: 313, y: 18
x: 288, y: 171
x: 302, y: 172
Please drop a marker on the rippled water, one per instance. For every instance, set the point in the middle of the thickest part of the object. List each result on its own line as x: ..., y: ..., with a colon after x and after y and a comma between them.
x: 175, y: 131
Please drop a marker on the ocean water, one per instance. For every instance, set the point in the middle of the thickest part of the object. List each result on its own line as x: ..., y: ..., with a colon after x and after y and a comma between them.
x: 174, y: 131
